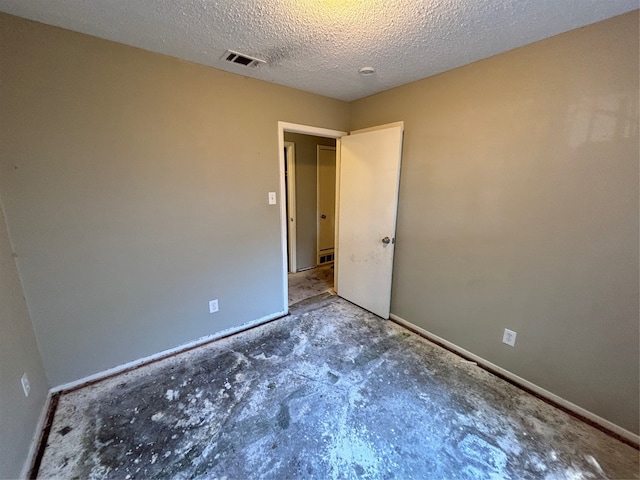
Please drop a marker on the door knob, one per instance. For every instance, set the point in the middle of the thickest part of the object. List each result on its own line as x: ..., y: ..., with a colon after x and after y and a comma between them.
x: 386, y: 240
x: 323, y: 216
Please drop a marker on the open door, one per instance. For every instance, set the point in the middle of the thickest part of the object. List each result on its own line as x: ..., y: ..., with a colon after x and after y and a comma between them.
x: 369, y: 179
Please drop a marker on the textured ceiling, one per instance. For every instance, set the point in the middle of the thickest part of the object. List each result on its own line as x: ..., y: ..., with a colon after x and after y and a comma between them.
x: 319, y: 45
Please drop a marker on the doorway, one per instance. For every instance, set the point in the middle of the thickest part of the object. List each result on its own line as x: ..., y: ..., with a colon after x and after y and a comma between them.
x: 368, y: 162
x: 306, y: 258
x: 310, y: 180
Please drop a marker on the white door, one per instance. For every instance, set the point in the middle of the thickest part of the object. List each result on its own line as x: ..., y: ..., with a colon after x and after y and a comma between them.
x: 326, y: 203
x: 368, y: 201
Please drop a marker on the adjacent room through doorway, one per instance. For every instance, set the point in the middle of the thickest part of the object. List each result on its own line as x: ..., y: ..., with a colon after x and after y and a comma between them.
x: 310, y: 182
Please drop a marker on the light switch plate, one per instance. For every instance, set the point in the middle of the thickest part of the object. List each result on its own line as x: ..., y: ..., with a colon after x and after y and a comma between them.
x: 272, y: 198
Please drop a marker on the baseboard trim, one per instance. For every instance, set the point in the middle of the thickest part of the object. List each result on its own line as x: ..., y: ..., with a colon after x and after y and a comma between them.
x: 125, y: 367
x: 589, y: 417
x: 36, y: 440
x: 304, y: 269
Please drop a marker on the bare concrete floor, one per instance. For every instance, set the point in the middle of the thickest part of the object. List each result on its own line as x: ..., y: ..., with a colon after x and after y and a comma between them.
x: 329, y: 392
x: 309, y: 283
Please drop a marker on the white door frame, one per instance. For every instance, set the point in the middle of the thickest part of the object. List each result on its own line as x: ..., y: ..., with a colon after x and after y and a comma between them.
x: 290, y: 158
x: 306, y: 130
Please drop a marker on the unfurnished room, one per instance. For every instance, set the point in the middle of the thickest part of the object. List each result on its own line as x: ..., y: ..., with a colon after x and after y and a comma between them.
x: 319, y: 239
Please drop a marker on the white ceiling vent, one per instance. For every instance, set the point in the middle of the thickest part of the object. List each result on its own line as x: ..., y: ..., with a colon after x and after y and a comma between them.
x: 241, y: 59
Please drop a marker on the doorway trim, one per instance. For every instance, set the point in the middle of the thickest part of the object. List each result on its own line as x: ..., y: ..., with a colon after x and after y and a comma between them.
x: 290, y: 207
x: 306, y: 130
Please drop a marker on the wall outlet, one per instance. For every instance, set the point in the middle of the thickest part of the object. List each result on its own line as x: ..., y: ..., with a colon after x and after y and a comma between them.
x: 272, y: 198
x: 26, y: 386
x: 213, y: 306
x: 509, y: 337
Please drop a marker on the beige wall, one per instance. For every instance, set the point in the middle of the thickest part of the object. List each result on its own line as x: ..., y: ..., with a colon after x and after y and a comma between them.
x: 307, y: 195
x: 18, y: 354
x: 519, y: 209
x: 135, y: 188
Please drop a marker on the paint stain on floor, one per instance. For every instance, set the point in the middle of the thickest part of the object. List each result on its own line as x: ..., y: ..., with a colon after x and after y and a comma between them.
x: 330, y: 392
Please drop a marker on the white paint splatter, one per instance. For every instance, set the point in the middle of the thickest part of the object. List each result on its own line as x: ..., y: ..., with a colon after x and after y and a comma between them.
x: 595, y: 463
x: 172, y: 395
x: 348, y: 449
x: 156, y: 417
x: 482, y: 451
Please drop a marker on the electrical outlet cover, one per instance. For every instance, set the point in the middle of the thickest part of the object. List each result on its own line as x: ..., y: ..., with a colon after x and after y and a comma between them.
x: 509, y: 337
x: 213, y: 306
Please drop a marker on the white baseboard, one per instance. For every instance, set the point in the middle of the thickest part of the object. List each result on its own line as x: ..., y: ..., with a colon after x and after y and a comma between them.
x: 166, y: 353
x: 37, y: 436
x: 306, y: 268
x: 552, y: 397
